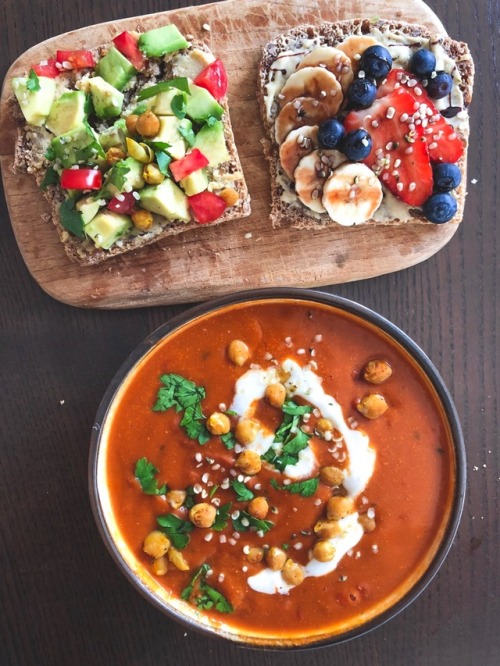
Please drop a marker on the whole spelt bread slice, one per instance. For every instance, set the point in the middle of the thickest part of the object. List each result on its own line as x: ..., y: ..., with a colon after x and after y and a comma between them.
x: 32, y: 143
x: 283, y: 55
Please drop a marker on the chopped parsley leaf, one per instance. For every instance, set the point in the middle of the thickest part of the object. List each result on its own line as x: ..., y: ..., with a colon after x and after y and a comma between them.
x: 306, y: 488
x: 181, y: 83
x: 190, y: 497
x: 188, y: 134
x: 51, y: 177
x: 179, y: 106
x: 71, y: 219
x: 176, y: 529
x: 116, y: 179
x: 33, y: 82
x: 222, y: 517
x: 204, y: 596
x: 290, y: 436
x: 243, y: 494
x: 245, y: 522
x: 163, y: 160
x: 229, y: 440
x: 145, y: 474
x: 184, y: 395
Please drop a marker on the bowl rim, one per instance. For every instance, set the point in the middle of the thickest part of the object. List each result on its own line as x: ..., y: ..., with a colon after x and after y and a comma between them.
x: 292, y: 294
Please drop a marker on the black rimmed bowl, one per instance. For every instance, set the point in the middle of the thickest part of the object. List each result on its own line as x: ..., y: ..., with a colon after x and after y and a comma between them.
x: 129, y: 562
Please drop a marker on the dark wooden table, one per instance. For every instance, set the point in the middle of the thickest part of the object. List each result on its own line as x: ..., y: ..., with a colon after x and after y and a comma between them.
x: 62, y: 601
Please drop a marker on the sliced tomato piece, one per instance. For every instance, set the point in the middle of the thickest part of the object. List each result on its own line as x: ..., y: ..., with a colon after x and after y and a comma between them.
x: 81, y: 179
x: 443, y: 142
x: 214, y: 79
x: 77, y: 59
x: 207, y: 206
x: 192, y: 162
x: 47, y: 68
x: 127, y: 45
x: 123, y: 203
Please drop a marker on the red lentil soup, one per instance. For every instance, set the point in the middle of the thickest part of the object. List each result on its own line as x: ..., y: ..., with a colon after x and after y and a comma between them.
x: 355, y: 507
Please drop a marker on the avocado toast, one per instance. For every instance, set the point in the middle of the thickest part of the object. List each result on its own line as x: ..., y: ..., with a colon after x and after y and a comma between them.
x: 130, y: 142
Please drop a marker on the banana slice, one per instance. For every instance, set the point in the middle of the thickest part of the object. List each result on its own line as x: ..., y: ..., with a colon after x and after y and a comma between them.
x: 354, y: 46
x: 298, y: 143
x: 334, y: 60
x: 352, y: 194
x: 311, y: 174
x: 299, y: 112
x: 316, y: 82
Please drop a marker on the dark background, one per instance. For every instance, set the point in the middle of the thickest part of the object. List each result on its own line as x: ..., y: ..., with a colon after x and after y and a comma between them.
x: 62, y: 600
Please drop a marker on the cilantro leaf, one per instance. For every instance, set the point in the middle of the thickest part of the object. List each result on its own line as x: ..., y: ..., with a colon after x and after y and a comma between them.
x: 184, y: 395
x: 33, y: 82
x: 229, y: 440
x: 245, y: 522
x: 187, y: 133
x: 222, y: 517
x: 50, y: 154
x: 179, y: 106
x: 190, y: 497
x: 163, y: 160
x: 188, y: 591
x: 157, y: 145
x: 206, y: 597
x: 51, y: 177
x: 243, y: 494
x: 292, y: 438
x: 176, y: 529
x: 145, y: 473
x: 115, y: 181
x: 181, y: 83
x: 71, y: 219
x: 306, y: 488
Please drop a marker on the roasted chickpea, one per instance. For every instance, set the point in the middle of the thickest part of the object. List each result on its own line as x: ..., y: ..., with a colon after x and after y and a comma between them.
x: 331, y: 476
x: 131, y: 122
x: 176, y: 498
x: 292, y: 573
x: 275, y: 558
x: 238, y: 352
x: 202, y: 515
x: 114, y: 155
x: 324, y: 425
x: 148, y: 124
x: 142, y: 219
x: 258, y: 507
x: 377, y: 371
x: 323, y: 551
x: 160, y: 566
x: 178, y: 560
x: 339, y: 507
x: 249, y: 462
x: 368, y: 524
x: 218, y: 423
x: 255, y: 555
x: 156, y: 544
x: 246, y: 431
x: 326, y: 529
x: 230, y: 196
x: 372, y: 405
x: 275, y: 394
x: 152, y: 174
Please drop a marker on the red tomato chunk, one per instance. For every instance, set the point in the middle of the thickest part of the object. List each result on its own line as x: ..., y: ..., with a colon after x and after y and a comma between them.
x: 214, y: 79
x: 81, y: 179
x: 192, y: 162
x: 207, y: 206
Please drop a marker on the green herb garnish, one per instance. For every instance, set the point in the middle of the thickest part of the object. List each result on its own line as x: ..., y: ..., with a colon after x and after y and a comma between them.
x: 115, y: 180
x: 290, y: 436
x: 176, y: 529
x: 181, y: 83
x: 184, y: 395
x: 179, y: 106
x: 229, y: 440
x: 33, y: 82
x: 222, y: 517
x: 205, y: 596
x: 189, y: 136
x: 245, y: 522
x: 305, y: 488
x: 189, y: 502
x: 211, y: 120
x: 71, y: 219
x: 145, y: 474
x: 140, y: 108
x: 163, y: 160
x: 51, y: 177
x: 243, y: 494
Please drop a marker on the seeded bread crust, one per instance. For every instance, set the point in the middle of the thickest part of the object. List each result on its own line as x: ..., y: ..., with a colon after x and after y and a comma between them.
x: 330, y: 34
x: 30, y: 148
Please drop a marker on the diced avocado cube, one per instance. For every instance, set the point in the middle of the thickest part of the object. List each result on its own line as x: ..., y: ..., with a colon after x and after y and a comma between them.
x: 166, y: 199
x: 115, y: 69
x: 35, y: 104
x: 169, y: 133
x: 107, y: 227
x: 107, y: 100
x: 211, y: 141
x: 78, y: 145
x: 112, y: 137
x: 157, y: 42
x: 202, y: 105
x: 88, y: 207
x: 195, y: 183
x: 67, y: 112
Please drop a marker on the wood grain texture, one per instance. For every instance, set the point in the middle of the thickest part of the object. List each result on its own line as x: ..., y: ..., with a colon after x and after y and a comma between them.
x: 212, y: 261
x: 62, y: 600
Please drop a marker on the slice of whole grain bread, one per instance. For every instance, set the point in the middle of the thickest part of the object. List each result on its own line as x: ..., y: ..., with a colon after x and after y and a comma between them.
x: 286, y: 209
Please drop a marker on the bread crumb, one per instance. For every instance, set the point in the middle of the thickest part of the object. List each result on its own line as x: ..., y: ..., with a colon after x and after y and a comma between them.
x: 248, y: 235
x: 206, y: 27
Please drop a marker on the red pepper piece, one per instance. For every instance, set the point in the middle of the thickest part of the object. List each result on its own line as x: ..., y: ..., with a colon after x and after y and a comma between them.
x: 77, y: 59
x: 123, y: 203
x: 127, y: 45
x: 192, y: 162
x: 81, y: 179
x: 47, y: 68
x: 214, y: 79
x: 207, y: 206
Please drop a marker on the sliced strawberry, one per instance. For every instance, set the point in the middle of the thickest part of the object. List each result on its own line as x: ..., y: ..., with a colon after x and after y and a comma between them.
x: 399, y: 155
x: 443, y: 142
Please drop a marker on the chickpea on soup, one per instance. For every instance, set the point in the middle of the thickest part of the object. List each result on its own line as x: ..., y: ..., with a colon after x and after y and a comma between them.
x: 278, y: 468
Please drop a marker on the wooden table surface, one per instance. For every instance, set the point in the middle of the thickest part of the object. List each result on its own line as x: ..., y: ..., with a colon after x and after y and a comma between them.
x: 62, y: 600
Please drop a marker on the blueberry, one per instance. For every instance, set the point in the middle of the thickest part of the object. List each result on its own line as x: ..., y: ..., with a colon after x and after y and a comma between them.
x: 376, y: 62
x: 440, y: 85
x: 330, y: 133
x: 361, y: 93
x: 422, y: 63
x: 356, y: 145
x: 440, y: 207
x: 446, y: 176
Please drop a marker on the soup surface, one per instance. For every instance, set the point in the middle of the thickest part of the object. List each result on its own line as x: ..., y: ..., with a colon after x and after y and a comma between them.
x: 291, y: 512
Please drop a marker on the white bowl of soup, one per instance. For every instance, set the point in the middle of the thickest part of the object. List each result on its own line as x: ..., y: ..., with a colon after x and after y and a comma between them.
x: 281, y: 468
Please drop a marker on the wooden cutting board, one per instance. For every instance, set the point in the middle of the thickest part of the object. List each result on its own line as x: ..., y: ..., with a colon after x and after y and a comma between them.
x: 236, y: 256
